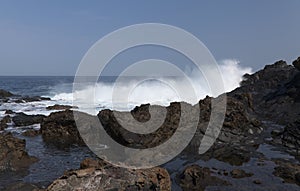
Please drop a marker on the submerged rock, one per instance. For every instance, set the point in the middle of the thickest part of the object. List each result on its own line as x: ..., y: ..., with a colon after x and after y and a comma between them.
x: 99, y: 175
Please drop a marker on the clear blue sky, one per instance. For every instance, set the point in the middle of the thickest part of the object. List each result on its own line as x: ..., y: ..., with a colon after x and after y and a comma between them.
x: 50, y: 37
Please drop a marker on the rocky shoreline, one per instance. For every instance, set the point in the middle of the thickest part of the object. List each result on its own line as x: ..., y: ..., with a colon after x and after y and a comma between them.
x: 258, y: 147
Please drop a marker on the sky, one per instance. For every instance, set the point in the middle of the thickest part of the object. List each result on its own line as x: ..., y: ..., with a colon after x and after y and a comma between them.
x: 51, y: 37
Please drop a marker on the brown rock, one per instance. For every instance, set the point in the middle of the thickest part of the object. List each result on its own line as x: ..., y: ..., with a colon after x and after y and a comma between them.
x: 237, y: 173
x: 198, y: 178
x: 112, y: 178
x: 13, y: 154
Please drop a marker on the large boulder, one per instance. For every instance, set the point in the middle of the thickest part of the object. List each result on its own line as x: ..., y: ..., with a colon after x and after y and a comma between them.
x: 13, y: 155
x: 99, y: 175
x: 60, y: 128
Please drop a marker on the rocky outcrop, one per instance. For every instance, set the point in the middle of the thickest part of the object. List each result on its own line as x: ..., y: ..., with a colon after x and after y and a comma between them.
x: 127, y: 138
x: 60, y: 128
x: 107, y: 177
x: 274, y: 91
x: 198, y: 178
x: 13, y: 156
x: 22, y: 119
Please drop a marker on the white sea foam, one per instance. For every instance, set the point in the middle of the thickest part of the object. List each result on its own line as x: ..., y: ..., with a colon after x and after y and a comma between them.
x: 155, y: 92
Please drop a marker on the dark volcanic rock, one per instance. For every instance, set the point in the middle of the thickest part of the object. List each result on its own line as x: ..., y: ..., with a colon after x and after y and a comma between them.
x: 273, y: 91
x: 13, y: 155
x: 22, y: 119
x: 5, y: 94
x: 296, y: 63
x: 107, y: 177
x: 198, y: 178
x: 127, y: 138
x: 60, y: 107
x: 60, y: 128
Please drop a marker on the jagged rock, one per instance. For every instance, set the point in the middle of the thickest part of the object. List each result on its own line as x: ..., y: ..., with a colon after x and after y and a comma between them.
x: 4, y: 121
x: 60, y: 107
x: 296, y: 63
x: 22, y: 119
x: 238, y: 173
x: 108, y: 177
x: 198, y: 178
x: 275, y: 91
x: 13, y: 155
